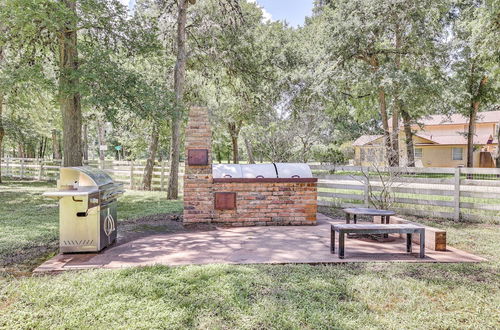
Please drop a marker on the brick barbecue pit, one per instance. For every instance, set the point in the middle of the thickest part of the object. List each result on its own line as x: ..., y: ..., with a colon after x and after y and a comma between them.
x: 246, y: 195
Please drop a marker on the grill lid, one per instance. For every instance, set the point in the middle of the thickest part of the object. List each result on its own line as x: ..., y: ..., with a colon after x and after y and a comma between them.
x: 293, y: 170
x: 99, y: 177
x: 226, y: 171
x: 258, y: 171
x: 252, y: 171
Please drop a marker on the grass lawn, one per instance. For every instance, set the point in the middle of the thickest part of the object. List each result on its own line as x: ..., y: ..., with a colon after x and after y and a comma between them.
x: 345, y: 296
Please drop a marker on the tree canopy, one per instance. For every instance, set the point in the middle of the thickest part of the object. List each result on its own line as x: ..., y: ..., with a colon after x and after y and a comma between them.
x: 75, y: 74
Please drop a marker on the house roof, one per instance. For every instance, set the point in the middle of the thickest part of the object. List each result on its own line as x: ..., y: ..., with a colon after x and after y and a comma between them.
x: 457, y: 139
x: 365, y: 139
x: 458, y: 119
x: 434, y: 139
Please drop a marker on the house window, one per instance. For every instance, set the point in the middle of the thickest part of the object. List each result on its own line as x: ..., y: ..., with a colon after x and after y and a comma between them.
x: 418, y: 152
x: 458, y: 154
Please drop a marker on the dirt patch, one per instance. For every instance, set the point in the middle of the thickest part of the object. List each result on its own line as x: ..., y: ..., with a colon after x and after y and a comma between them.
x: 24, y: 261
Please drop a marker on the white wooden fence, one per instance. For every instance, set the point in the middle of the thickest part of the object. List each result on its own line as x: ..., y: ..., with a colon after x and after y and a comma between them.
x: 129, y: 173
x: 450, y: 193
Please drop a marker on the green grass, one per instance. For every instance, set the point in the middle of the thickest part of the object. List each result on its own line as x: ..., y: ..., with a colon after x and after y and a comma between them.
x: 29, y: 221
x: 349, y: 296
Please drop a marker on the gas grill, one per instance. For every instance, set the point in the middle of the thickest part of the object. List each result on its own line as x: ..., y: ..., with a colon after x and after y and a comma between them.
x: 87, y: 209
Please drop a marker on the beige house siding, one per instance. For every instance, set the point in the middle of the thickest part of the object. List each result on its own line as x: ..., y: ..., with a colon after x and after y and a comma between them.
x: 438, y: 137
x: 441, y: 156
x: 436, y: 142
x: 432, y: 155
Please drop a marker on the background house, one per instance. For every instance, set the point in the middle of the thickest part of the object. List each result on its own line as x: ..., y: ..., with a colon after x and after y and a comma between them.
x: 440, y: 141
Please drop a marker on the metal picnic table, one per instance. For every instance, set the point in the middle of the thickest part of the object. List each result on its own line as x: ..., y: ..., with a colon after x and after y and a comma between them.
x: 355, y: 211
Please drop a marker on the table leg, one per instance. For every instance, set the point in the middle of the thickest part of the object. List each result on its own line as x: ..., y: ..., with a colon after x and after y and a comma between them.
x: 386, y: 222
x: 422, y: 243
x: 341, y: 244
x: 347, y: 218
x: 408, y: 243
x: 355, y: 219
x: 332, y: 240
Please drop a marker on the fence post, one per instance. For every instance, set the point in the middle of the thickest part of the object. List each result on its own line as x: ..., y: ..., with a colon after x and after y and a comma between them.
x: 456, y: 196
x: 132, y: 175
x: 162, y: 175
x: 22, y: 168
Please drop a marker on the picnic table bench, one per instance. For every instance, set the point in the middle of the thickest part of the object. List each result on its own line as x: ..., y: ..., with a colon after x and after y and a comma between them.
x: 407, y: 229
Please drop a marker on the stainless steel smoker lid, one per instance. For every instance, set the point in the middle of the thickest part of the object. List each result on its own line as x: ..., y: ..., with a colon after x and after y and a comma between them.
x: 293, y: 170
x: 226, y: 171
x: 258, y: 171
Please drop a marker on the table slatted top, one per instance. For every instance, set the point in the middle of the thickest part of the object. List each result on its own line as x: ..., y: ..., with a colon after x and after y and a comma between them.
x: 378, y: 228
x: 368, y: 211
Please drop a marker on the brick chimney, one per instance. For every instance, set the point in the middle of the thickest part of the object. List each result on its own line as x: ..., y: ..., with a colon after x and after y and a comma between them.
x: 198, y: 195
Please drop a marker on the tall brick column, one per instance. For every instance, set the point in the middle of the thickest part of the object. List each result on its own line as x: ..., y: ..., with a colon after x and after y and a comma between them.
x: 198, y: 196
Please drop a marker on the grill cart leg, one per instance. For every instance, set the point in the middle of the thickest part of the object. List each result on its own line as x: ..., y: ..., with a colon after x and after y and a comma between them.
x: 341, y: 244
x: 422, y: 243
x: 332, y: 240
x: 408, y: 243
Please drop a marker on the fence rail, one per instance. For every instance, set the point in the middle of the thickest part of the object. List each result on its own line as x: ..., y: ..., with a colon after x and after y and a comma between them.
x: 130, y: 173
x: 451, y: 193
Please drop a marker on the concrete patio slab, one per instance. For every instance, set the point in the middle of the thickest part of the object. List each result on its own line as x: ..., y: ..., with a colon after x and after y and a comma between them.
x: 248, y: 245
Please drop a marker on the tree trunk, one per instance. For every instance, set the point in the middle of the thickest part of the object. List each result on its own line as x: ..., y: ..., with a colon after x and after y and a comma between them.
x: 85, y: 145
x: 497, y: 156
x: 40, y: 148
x: 397, y: 105
x: 218, y: 155
x: 249, y: 147
x: 385, y: 125
x: 69, y: 97
x: 234, y: 132
x: 383, y: 114
x: 304, y: 149
x: 148, y: 170
x: 101, y: 139
x: 410, y: 151
x: 179, y: 79
x: 45, y: 147
x: 2, y: 130
x: 56, y: 146
x: 474, y: 109
x: 234, y: 143
x: 470, y: 133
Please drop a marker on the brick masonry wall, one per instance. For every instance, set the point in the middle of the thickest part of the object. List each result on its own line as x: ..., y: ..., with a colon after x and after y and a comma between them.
x: 257, y: 203
x: 269, y: 204
x: 198, y: 196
